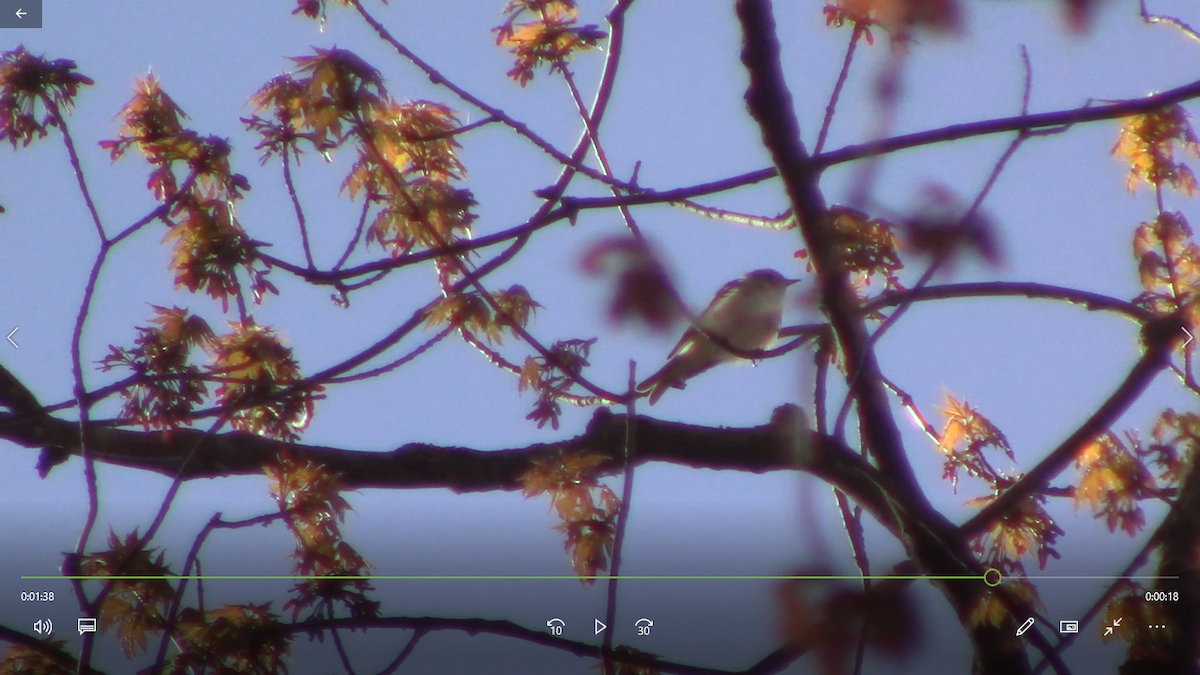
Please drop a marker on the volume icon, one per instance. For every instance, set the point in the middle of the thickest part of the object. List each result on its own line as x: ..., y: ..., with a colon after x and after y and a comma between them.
x: 43, y: 626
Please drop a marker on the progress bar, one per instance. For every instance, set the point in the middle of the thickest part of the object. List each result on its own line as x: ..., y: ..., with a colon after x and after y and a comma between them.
x: 504, y: 577
x: 991, y: 577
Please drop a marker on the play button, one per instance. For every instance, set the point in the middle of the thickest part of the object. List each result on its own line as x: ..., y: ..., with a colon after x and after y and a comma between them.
x: 600, y: 626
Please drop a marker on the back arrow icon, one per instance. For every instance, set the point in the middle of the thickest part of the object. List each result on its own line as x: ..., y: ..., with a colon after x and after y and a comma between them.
x: 20, y: 13
x: 9, y: 337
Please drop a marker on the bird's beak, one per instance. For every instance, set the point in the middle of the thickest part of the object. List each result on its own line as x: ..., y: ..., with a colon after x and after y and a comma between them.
x: 791, y: 281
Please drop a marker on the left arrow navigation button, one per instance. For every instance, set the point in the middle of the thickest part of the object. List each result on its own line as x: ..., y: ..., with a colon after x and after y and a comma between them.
x: 9, y: 337
x: 20, y: 13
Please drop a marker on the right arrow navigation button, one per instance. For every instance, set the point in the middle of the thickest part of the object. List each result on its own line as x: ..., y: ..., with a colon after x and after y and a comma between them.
x: 600, y: 626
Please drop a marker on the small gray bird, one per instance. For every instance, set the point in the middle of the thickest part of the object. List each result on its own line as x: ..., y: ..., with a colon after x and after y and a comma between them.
x: 745, y: 313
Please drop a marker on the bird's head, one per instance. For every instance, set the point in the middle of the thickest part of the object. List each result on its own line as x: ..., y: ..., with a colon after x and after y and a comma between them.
x: 767, y: 280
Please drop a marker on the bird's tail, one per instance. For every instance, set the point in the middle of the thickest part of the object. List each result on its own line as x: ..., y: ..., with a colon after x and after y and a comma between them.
x: 658, y: 383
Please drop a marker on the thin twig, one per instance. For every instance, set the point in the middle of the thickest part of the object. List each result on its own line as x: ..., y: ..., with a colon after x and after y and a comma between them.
x: 404, y: 653
x: 837, y: 88
x: 1170, y: 21
x: 991, y: 289
x: 601, y: 157
x: 779, y: 223
x: 358, y: 230
x: 1058, y: 118
x: 407, y: 358
x: 436, y: 77
x: 375, y: 267
x: 85, y: 447
x: 159, y: 211
x: 192, y: 560
x: 909, y: 404
x: 341, y: 650
x: 623, y: 509
x: 89, y: 464
x: 367, y: 143
x: 301, y: 221
x: 822, y: 355
x: 169, y: 498
x: 152, y: 530
x: 547, y: 216
x: 76, y: 167
x: 964, y: 222
x: 497, y: 359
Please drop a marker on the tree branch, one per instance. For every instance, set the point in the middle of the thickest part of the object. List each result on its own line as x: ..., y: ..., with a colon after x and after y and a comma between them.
x: 1094, y: 302
x: 1157, y: 356
x: 770, y: 104
x: 931, y: 541
x: 437, y: 78
x: 1001, y: 125
x: 420, y: 465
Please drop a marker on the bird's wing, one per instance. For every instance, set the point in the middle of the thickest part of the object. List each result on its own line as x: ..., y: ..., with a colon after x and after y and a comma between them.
x: 722, y: 295
x: 688, y: 337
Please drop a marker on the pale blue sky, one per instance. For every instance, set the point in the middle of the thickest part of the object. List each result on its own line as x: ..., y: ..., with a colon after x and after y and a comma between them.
x: 1035, y: 369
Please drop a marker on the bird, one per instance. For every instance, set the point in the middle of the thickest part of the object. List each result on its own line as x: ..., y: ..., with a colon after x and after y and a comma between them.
x: 745, y: 313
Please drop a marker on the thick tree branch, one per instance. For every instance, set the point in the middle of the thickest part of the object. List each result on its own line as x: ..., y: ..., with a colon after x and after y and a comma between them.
x: 931, y: 541
x: 758, y: 449
x: 770, y: 104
